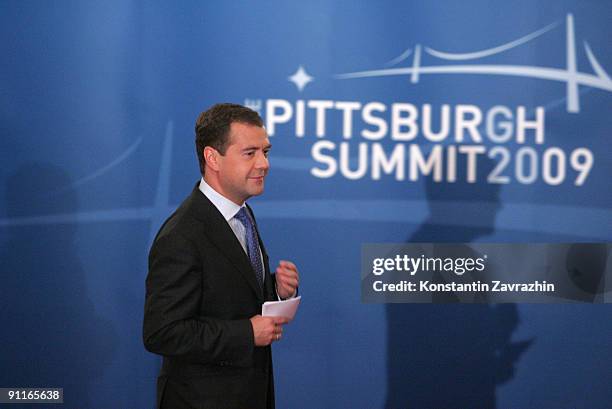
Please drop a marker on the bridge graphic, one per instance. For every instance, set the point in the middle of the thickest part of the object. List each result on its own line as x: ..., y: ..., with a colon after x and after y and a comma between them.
x: 580, y: 221
x: 569, y: 75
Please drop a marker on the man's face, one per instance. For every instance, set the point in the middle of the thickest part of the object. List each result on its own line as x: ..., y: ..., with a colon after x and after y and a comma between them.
x: 245, y: 164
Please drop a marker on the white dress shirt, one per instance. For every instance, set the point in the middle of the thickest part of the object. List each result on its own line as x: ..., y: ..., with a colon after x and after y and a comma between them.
x: 228, y: 209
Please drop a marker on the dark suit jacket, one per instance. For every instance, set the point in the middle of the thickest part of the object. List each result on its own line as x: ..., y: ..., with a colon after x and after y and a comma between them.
x: 200, y: 293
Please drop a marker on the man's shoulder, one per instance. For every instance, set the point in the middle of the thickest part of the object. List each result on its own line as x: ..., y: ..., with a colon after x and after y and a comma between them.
x: 186, y: 219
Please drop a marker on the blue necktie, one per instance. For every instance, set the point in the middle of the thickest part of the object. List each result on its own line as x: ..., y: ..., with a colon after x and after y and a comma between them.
x: 252, y: 243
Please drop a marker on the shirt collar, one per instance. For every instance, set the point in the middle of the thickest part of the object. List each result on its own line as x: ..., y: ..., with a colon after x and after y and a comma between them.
x: 227, y: 208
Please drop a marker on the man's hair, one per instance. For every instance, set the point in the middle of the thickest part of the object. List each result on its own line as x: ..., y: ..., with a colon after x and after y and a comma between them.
x: 213, y: 127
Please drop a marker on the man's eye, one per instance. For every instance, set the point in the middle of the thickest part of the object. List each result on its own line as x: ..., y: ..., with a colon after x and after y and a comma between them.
x: 266, y: 153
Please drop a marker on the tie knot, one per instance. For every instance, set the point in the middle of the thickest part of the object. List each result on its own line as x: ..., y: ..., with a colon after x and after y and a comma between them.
x: 243, y: 216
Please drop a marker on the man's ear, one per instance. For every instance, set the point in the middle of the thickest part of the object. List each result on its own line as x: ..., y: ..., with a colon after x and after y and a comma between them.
x: 211, y: 156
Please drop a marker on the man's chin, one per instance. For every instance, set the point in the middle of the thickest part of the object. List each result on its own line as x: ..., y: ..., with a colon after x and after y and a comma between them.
x: 256, y: 191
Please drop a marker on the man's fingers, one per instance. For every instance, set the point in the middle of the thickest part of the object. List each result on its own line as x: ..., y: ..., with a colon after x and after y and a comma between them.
x: 276, y: 331
x: 289, y: 264
x: 282, y: 274
x: 286, y: 271
x: 293, y: 282
x: 281, y: 320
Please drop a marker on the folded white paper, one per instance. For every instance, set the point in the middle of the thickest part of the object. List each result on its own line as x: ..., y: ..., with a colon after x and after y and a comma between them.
x: 286, y: 308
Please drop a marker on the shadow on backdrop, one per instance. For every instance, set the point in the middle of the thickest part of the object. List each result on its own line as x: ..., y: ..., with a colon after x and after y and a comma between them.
x: 52, y: 335
x: 452, y: 355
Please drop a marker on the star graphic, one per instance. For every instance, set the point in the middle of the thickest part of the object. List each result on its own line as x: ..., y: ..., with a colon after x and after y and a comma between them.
x: 301, y: 78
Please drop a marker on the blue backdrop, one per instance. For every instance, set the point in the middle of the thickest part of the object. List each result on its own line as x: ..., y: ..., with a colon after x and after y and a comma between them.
x: 390, y: 121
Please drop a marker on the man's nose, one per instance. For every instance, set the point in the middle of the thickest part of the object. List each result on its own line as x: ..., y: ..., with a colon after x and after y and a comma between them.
x: 262, y: 162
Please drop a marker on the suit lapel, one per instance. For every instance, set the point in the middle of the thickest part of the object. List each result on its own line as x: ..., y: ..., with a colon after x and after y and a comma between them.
x: 222, y: 236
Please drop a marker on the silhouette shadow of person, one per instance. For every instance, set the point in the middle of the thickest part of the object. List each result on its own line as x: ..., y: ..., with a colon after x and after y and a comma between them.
x: 586, y: 266
x: 52, y: 336
x: 446, y: 354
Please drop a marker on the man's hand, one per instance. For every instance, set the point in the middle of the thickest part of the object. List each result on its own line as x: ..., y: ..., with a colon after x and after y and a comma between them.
x: 287, y: 279
x: 267, y: 329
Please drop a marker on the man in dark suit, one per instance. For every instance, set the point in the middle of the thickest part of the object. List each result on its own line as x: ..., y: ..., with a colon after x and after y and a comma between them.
x: 209, y: 276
